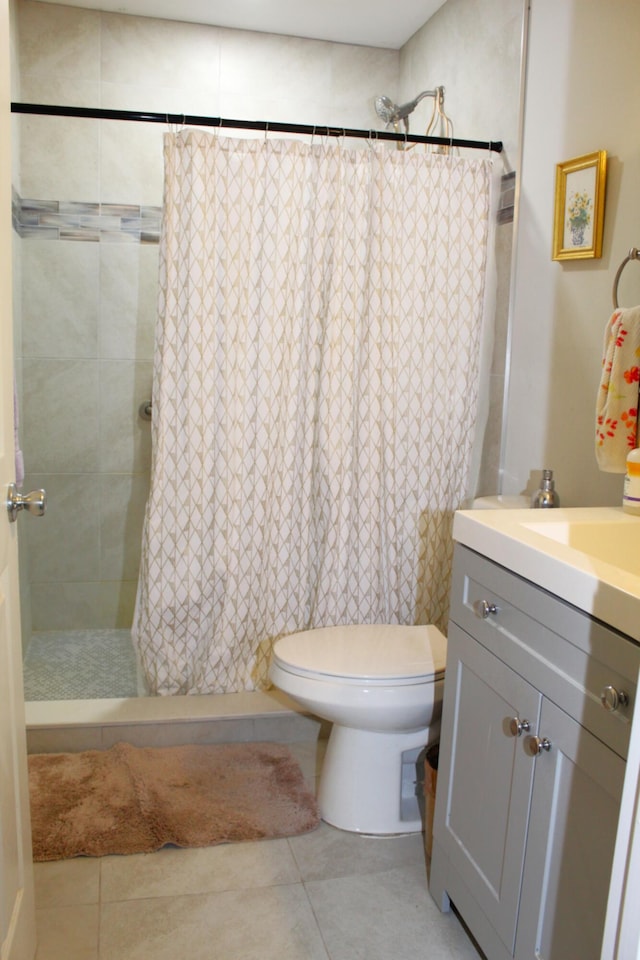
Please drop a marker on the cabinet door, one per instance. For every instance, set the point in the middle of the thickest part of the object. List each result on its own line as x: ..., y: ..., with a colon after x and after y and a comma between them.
x: 572, y: 831
x: 485, y: 779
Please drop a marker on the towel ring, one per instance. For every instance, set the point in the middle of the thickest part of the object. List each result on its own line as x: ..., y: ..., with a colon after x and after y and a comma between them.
x: 634, y: 254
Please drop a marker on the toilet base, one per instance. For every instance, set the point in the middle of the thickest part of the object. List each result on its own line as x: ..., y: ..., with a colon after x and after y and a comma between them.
x: 360, y: 784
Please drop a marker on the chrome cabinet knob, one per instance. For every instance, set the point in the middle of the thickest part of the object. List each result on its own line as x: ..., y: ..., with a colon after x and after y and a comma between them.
x: 535, y: 745
x: 485, y: 609
x: 516, y: 726
x: 34, y: 502
x: 611, y: 699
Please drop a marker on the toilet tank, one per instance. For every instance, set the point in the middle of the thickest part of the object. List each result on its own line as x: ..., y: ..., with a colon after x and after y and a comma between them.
x: 499, y: 502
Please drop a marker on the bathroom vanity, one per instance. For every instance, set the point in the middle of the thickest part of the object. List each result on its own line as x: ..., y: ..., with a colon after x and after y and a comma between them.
x: 541, y: 675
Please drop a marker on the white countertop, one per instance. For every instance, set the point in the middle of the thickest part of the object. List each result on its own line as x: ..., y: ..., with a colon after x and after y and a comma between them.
x: 606, y: 591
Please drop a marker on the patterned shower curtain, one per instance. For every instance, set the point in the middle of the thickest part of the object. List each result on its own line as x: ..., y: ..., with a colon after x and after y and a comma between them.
x: 314, y: 399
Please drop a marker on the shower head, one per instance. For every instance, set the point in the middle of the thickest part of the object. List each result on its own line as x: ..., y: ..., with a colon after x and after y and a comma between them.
x: 390, y: 112
x: 385, y: 108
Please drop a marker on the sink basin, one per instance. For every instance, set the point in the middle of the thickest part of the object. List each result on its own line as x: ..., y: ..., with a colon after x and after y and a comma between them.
x: 614, y: 542
x: 588, y: 556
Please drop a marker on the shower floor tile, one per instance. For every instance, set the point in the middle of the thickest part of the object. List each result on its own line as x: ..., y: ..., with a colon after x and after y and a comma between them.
x: 80, y: 665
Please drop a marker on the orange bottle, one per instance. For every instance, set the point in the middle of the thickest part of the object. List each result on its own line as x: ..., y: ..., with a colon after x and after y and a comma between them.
x: 631, y: 495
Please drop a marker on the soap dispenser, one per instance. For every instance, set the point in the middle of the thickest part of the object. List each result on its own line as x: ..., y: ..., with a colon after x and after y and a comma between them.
x: 546, y: 496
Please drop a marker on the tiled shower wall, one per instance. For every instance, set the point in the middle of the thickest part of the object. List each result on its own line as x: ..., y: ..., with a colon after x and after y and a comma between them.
x: 87, y: 197
x: 474, y: 50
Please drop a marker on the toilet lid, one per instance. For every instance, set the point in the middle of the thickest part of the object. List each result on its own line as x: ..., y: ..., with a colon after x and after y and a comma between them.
x: 372, y: 652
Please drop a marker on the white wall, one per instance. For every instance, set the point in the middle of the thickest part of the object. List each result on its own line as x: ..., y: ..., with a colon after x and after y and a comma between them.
x: 581, y: 96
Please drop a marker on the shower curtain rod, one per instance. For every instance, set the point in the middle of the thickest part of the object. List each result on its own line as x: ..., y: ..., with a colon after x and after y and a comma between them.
x: 53, y: 110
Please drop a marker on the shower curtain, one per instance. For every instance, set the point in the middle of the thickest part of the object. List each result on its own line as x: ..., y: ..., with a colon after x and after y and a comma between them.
x: 314, y: 399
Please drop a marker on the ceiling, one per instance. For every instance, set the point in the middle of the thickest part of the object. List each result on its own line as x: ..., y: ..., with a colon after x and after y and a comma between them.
x: 375, y: 23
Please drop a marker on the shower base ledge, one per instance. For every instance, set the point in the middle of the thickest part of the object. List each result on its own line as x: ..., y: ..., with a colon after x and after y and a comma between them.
x: 73, y: 725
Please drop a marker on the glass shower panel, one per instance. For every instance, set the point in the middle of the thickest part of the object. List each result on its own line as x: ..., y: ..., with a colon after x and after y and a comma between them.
x: 87, y: 272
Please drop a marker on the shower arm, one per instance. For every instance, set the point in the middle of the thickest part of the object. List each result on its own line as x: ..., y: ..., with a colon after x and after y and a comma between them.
x: 438, y: 104
x: 437, y: 94
x: 403, y: 112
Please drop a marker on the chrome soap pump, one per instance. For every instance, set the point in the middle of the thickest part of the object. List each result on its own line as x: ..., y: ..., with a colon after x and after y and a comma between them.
x: 546, y: 496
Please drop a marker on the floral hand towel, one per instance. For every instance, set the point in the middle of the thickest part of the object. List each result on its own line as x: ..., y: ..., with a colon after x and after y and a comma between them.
x: 617, y: 403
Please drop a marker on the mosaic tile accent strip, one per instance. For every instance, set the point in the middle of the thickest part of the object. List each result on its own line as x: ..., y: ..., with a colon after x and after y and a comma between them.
x: 81, y: 665
x: 93, y: 222
x: 128, y: 223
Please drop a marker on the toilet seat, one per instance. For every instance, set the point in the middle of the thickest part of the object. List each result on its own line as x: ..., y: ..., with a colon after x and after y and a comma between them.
x: 376, y: 654
x: 380, y: 687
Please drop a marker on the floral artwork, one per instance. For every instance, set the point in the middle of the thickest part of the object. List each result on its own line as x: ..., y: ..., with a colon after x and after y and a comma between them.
x: 579, y: 216
x: 579, y: 208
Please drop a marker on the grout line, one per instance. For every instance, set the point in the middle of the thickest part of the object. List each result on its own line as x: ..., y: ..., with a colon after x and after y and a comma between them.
x: 317, y: 920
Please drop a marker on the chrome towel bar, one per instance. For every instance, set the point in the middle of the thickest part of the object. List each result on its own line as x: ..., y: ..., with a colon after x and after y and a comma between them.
x: 634, y: 254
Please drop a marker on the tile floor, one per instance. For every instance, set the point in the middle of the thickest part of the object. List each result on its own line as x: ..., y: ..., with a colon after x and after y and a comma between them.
x: 327, y: 895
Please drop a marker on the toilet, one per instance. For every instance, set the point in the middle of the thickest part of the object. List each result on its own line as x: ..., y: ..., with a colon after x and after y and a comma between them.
x: 381, y: 687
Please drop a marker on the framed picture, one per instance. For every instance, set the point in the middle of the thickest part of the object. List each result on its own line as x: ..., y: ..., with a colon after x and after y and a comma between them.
x: 579, y: 208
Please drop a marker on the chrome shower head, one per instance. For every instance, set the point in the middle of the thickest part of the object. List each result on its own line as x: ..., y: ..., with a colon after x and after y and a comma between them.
x: 390, y: 112
x: 385, y: 108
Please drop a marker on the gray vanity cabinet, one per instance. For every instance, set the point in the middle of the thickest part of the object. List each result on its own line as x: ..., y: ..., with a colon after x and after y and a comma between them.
x: 531, y: 766
x: 487, y: 782
x: 570, y: 843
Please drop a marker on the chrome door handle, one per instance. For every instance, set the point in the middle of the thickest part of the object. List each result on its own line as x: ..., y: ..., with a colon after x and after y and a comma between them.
x: 485, y: 609
x: 517, y: 726
x: 34, y: 502
x: 535, y: 745
x: 611, y: 698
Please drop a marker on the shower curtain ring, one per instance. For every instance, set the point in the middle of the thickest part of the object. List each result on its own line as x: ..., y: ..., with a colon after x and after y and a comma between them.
x: 266, y: 130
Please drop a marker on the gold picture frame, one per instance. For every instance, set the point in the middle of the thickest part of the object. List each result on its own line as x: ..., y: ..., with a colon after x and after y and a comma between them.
x: 579, y: 207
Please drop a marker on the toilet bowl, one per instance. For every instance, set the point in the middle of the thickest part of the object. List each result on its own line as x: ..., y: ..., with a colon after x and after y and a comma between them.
x: 381, y: 687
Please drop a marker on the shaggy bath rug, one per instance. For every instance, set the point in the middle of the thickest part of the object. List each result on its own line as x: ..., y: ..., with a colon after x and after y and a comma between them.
x: 138, y: 799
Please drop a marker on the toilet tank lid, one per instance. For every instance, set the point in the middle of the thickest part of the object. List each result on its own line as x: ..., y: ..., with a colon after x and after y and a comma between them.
x: 499, y: 502
x: 372, y: 651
